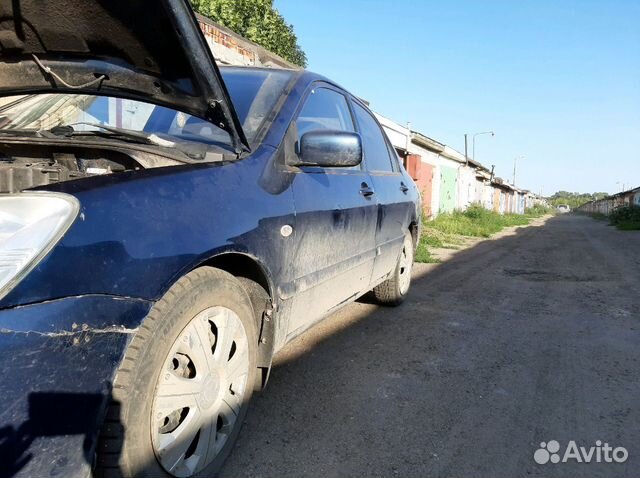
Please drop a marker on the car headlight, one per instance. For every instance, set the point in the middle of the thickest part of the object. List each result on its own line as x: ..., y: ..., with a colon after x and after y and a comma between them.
x: 30, y: 225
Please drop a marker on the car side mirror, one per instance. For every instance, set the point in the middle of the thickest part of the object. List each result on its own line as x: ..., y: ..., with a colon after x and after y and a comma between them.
x: 334, y: 149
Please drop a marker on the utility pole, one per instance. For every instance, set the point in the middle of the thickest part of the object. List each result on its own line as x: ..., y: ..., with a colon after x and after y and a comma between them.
x: 515, y: 162
x: 466, y: 154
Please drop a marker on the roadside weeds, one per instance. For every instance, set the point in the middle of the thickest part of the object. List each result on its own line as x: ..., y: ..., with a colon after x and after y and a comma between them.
x: 460, y: 230
x: 626, y: 218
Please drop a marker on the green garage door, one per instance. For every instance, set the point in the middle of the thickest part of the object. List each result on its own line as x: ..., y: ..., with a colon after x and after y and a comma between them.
x: 448, y: 187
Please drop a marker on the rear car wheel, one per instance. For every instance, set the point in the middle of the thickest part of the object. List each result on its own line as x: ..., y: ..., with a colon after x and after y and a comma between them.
x: 181, y: 393
x: 394, y: 290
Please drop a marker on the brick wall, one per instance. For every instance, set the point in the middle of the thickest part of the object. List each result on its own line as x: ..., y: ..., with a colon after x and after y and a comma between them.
x: 229, y: 48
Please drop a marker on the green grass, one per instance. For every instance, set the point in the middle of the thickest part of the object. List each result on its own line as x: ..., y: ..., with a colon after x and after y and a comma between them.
x: 439, y: 239
x: 451, y: 230
x: 629, y: 226
x: 422, y: 253
x: 626, y: 218
x: 432, y: 241
x: 476, y: 222
x: 538, y: 211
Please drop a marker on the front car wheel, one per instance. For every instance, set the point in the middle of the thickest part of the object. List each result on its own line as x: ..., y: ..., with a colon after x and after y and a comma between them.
x: 182, y: 390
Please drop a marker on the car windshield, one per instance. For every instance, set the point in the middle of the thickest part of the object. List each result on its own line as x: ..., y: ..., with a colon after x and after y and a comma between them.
x: 254, y: 93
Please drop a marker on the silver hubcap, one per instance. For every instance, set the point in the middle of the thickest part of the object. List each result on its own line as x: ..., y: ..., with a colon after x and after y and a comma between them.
x: 200, y: 392
x: 406, y: 263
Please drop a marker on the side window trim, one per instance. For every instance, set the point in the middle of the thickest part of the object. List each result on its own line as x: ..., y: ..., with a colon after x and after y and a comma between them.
x: 393, y: 159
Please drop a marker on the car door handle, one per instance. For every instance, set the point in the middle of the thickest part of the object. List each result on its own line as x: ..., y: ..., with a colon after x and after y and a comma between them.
x: 404, y: 188
x: 366, y: 191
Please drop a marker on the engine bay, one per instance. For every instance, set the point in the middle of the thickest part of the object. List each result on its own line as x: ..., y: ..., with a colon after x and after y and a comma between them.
x: 28, y: 166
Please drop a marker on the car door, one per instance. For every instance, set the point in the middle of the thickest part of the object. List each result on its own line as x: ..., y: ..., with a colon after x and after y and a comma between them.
x: 392, y: 192
x: 335, y: 218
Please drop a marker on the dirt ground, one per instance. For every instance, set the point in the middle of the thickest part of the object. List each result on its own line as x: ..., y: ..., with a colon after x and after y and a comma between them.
x: 528, y: 337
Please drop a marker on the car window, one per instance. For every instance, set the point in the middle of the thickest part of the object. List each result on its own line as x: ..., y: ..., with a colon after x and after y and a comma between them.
x: 376, y: 154
x: 254, y: 94
x: 324, y: 109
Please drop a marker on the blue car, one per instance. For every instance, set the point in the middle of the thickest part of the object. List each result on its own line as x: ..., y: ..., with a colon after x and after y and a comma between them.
x: 166, y: 226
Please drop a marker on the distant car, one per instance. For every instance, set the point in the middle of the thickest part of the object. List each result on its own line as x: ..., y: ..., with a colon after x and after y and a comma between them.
x: 563, y: 208
x: 165, y: 227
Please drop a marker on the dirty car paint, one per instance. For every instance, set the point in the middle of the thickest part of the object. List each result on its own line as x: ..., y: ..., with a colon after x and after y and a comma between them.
x: 57, y: 363
x: 65, y: 327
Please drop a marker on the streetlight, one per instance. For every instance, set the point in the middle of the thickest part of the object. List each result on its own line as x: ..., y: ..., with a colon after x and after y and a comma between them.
x: 620, y: 184
x: 473, y: 142
x: 515, y: 161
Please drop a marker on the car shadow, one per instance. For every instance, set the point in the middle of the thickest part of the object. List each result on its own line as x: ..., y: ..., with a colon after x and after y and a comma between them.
x: 344, y: 349
x: 53, y: 416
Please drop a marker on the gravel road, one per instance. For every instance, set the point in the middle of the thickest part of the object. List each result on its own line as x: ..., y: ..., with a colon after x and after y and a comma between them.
x: 529, y: 337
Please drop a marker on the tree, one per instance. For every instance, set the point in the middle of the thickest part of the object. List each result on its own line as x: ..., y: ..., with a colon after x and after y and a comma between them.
x: 258, y: 21
x: 573, y: 199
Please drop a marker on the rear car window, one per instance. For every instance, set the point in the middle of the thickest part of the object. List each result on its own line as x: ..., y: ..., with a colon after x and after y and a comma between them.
x: 376, y: 153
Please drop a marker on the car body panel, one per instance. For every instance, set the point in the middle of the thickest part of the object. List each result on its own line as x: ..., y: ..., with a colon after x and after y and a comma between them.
x: 335, y: 243
x: 394, y: 218
x: 396, y: 196
x: 143, y: 230
x: 205, y: 209
x: 57, y: 363
x: 335, y: 230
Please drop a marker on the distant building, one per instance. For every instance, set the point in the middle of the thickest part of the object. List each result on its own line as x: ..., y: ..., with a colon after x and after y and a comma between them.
x: 605, y: 206
x: 447, y: 180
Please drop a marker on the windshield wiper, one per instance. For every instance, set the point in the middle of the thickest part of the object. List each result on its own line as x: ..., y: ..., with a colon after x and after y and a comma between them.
x: 138, y: 136
x: 193, y: 150
x: 19, y: 132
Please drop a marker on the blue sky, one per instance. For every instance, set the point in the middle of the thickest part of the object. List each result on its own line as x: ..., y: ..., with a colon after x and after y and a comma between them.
x: 558, y: 81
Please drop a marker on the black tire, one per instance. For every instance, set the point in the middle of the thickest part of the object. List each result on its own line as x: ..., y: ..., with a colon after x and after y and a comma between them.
x: 393, y: 291
x: 125, y: 447
x: 260, y: 300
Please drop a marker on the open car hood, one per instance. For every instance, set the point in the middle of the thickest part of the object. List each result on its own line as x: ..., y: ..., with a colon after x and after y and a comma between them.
x: 145, y: 50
